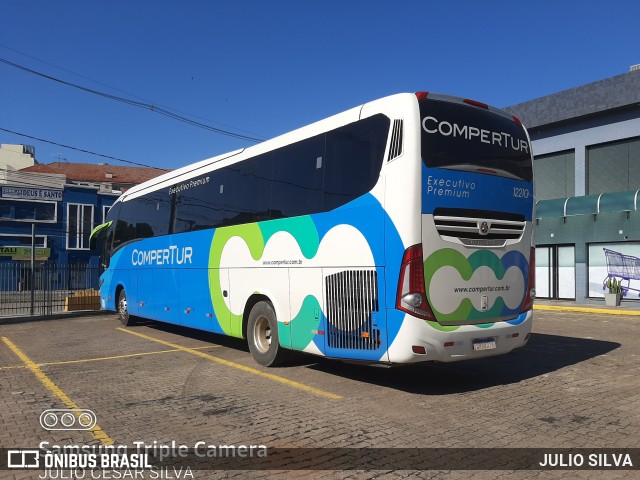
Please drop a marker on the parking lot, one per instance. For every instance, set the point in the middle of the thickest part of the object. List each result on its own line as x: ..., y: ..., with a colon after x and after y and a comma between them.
x: 575, y: 384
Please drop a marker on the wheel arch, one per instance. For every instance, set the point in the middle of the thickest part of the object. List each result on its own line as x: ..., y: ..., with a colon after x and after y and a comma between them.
x: 116, y: 295
x: 251, y: 302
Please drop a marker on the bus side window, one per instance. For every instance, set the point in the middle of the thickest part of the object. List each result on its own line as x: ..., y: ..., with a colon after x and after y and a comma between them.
x: 354, y: 158
x: 297, y: 179
x: 253, y: 192
x: 198, y: 208
x: 142, y: 217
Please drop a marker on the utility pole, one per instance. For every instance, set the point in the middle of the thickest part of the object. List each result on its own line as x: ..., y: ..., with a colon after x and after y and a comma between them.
x: 33, y: 267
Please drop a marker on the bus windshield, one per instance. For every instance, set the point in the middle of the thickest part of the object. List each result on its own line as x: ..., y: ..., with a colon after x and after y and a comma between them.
x: 464, y: 137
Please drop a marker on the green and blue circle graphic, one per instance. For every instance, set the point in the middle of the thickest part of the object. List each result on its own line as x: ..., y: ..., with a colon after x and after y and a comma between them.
x: 467, y: 286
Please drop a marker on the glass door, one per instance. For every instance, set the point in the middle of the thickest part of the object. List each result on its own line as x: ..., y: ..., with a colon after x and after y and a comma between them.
x: 556, y: 272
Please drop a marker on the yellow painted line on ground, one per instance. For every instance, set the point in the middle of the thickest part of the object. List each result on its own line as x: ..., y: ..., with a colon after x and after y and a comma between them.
x: 96, y: 431
x: 12, y: 367
x: 114, y: 357
x: 558, y: 308
x: 244, y: 368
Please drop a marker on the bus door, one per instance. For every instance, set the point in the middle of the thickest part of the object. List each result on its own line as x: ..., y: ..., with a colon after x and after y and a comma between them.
x: 354, y: 308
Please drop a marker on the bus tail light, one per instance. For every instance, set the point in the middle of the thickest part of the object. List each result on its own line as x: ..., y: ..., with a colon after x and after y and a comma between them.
x: 531, y: 282
x: 476, y: 103
x: 411, y: 297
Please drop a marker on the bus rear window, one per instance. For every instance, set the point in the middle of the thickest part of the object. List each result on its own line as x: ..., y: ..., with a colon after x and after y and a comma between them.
x: 469, y: 138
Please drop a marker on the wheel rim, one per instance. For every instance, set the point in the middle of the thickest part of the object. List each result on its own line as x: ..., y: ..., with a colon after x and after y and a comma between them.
x: 123, y: 307
x: 262, y: 334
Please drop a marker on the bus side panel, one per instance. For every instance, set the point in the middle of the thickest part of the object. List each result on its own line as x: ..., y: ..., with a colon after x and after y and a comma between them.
x: 307, y: 319
x: 143, y: 302
x: 166, y: 294
x: 195, y: 301
x: 273, y: 283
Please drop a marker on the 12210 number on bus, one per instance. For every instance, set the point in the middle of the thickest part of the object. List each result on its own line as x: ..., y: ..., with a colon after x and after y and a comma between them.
x: 519, y: 192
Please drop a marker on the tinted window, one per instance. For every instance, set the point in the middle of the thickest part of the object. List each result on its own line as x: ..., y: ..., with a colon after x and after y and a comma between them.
x: 242, y: 191
x: 112, y: 216
x: 143, y: 217
x: 298, y: 176
x: 354, y: 159
x: 315, y: 175
x: 236, y: 194
x: 465, y: 137
x: 194, y: 205
x: 246, y: 191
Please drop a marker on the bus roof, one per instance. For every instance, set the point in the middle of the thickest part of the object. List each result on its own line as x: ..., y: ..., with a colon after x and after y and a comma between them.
x: 204, y: 166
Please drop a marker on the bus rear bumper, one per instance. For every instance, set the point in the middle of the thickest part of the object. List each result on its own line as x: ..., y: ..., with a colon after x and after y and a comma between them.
x: 462, y: 343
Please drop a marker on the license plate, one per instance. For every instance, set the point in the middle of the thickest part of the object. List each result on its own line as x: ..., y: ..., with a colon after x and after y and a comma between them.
x: 484, y: 344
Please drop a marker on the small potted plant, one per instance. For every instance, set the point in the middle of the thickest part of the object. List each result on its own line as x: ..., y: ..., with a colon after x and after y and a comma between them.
x: 612, y: 299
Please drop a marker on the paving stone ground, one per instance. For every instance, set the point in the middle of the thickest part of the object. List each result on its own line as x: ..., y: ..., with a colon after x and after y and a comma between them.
x: 576, y: 384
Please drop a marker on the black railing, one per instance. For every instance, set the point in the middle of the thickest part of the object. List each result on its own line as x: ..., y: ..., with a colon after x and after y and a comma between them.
x: 48, y: 288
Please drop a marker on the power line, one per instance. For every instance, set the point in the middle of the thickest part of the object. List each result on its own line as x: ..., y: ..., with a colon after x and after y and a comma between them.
x: 80, y: 149
x: 135, y: 103
x: 120, y: 90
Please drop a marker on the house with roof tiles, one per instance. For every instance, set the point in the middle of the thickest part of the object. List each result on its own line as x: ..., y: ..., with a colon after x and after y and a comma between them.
x: 63, y: 200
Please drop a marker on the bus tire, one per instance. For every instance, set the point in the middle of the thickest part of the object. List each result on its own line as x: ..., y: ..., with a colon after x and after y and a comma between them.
x: 123, y: 311
x: 262, y: 336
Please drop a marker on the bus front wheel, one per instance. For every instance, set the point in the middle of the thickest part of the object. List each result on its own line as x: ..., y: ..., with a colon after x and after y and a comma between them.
x: 262, y: 336
x: 123, y: 311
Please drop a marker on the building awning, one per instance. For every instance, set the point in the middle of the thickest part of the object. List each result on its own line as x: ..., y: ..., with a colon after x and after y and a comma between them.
x: 588, y: 204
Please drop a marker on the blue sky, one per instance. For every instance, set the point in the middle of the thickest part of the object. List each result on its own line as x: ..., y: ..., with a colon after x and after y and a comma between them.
x: 262, y: 68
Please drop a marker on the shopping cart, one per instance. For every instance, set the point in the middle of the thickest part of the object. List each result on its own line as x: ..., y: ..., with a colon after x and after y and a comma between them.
x: 625, y: 267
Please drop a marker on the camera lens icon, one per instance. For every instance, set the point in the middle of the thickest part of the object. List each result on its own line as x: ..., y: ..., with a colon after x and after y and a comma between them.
x: 68, y: 419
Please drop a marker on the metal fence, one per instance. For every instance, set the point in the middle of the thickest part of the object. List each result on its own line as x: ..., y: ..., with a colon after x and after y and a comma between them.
x: 48, y: 288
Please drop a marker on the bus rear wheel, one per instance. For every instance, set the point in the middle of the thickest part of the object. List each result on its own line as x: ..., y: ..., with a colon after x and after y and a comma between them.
x: 123, y: 311
x: 262, y: 336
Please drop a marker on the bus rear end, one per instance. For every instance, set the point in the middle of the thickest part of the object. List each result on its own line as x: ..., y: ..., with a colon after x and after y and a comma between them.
x: 471, y: 279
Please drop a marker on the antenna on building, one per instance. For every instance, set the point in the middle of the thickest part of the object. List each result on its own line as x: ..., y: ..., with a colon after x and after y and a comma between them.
x: 60, y: 157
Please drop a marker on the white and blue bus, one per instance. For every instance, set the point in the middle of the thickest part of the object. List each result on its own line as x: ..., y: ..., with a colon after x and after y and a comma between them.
x: 398, y: 231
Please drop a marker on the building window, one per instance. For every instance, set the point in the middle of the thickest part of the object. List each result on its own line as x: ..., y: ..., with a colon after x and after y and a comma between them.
x: 555, y: 175
x: 17, y: 240
x: 28, y: 211
x: 614, y: 167
x: 79, y: 225
x: 105, y: 210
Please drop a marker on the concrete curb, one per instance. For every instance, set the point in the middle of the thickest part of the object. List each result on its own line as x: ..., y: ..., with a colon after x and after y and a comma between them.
x: 608, y: 311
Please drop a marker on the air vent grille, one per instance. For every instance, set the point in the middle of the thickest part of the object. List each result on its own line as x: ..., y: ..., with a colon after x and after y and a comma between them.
x: 352, y: 297
x: 479, y: 228
x: 395, y: 150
